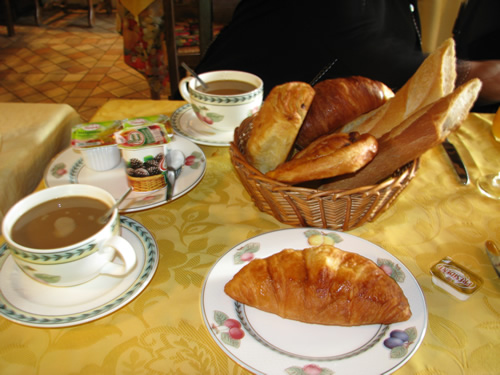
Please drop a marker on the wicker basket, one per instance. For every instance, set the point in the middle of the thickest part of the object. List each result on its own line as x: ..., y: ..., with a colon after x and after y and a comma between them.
x: 298, y: 206
x: 147, y: 183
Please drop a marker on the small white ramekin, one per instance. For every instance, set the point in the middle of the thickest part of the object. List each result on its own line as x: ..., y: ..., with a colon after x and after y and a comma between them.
x: 101, y: 158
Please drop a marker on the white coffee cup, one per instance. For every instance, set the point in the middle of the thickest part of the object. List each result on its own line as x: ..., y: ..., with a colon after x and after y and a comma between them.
x: 223, y: 112
x: 104, y: 252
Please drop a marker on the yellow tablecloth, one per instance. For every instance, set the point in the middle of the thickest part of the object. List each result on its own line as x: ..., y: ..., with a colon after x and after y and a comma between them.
x: 162, y: 330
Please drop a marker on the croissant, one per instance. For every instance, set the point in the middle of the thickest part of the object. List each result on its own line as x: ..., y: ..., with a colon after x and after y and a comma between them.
x: 322, y: 285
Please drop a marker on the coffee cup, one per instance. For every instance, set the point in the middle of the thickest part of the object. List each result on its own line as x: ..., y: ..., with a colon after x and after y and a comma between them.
x: 53, y: 237
x: 230, y: 97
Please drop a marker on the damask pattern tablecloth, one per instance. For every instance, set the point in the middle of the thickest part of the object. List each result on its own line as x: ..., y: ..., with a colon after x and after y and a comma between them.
x: 162, y: 330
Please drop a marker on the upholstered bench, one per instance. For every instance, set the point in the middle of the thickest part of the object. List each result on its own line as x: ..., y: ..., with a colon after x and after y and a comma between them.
x: 30, y: 136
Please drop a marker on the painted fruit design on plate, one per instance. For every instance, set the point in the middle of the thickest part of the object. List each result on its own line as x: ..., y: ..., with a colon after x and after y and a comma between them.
x: 229, y: 329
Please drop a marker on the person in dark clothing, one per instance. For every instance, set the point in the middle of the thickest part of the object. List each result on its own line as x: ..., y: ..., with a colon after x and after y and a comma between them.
x: 294, y: 40
x: 477, y: 36
x: 286, y: 40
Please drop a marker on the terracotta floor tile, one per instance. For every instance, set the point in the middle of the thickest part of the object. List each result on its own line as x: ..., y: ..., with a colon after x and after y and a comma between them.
x: 74, y: 77
x: 57, y: 92
x: 87, y: 84
x: 80, y: 93
x: 65, y: 61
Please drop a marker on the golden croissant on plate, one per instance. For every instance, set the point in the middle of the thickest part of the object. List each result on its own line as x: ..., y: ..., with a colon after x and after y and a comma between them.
x: 322, y: 285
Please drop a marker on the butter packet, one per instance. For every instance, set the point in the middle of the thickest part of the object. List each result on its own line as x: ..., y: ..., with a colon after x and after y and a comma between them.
x: 142, y: 136
x: 455, y: 279
x: 94, y: 134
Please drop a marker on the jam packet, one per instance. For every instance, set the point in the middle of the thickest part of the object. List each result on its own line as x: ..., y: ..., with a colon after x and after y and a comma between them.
x: 455, y: 279
x: 142, y: 136
x: 94, y: 134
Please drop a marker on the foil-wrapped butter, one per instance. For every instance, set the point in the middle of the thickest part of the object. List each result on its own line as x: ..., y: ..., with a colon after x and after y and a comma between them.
x: 455, y: 279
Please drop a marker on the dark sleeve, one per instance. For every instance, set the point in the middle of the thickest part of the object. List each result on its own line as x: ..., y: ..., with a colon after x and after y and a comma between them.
x: 379, y: 39
x: 292, y: 40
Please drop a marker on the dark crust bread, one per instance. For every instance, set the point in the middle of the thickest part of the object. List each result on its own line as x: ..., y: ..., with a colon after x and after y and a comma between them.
x: 339, y: 101
x: 328, y: 156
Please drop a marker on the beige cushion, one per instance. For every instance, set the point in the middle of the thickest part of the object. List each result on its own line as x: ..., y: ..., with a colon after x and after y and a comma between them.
x: 30, y: 135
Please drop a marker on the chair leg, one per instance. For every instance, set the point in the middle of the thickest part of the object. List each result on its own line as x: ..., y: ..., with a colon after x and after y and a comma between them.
x: 108, y: 6
x: 10, y: 20
x: 91, y: 13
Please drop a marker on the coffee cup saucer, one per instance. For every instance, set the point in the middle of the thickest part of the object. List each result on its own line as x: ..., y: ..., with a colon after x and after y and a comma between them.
x: 28, y: 302
x: 185, y: 123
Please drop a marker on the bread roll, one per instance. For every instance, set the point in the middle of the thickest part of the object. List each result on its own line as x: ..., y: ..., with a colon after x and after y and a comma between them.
x: 339, y: 101
x: 433, y: 79
x: 420, y: 132
x: 322, y: 285
x: 328, y: 156
x: 277, y: 124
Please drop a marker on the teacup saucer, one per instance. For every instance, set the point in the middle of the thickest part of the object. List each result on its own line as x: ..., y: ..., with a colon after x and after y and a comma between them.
x: 185, y: 122
x: 30, y: 303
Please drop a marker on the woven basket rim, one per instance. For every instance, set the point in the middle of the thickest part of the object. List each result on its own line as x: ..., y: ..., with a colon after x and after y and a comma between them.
x: 341, y: 209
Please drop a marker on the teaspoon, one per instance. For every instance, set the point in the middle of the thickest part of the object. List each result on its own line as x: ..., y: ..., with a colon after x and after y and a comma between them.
x: 104, y: 218
x: 193, y: 73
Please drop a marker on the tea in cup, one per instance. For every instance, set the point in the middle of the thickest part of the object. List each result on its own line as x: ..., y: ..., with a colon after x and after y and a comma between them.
x: 55, y: 237
x: 230, y: 97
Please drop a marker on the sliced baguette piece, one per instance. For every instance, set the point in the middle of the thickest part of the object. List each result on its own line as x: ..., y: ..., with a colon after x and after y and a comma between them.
x: 434, y: 79
x: 422, y: 131
x: 277, y: 124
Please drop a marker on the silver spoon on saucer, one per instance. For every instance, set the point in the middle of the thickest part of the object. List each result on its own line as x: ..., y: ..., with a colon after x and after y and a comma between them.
x: 175, y: 161
x: 104, y: 218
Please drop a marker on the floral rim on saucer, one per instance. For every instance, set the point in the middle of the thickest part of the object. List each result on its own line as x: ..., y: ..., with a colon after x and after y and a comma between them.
x: 185, y: 123
x: 27, y: 302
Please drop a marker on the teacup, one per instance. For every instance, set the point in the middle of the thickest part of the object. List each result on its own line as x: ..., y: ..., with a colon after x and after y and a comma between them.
x: 231, y: 97
x: 41, y: 256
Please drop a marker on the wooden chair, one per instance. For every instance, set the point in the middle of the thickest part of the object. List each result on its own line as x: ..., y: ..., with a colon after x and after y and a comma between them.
x: 193, y: 55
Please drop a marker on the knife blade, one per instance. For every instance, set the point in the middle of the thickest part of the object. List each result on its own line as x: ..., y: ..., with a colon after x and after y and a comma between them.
x: 456, y: 161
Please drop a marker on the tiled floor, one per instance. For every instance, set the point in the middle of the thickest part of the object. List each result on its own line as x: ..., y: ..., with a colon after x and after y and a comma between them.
x: 65, y: 61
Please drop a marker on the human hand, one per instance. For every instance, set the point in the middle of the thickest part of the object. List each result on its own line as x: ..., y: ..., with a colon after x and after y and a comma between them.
x: 488, y: 71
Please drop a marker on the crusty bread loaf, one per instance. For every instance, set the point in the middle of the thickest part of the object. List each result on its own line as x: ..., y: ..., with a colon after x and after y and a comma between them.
x: 434, y: 79
x: 322, y: 285
x: 328, y: 156
x: 339, y: 101
x: 277, y: 124
x: 420, y: 132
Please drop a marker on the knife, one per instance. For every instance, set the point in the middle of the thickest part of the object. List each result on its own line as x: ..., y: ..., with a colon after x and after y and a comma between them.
x: 456, y: 161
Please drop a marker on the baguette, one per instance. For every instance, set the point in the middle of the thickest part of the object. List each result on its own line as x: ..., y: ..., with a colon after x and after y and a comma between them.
x: 434, y: 79
x: 420, y: 132
x: 328, y: 156
x: 276, y: 125
x: 339, y: 101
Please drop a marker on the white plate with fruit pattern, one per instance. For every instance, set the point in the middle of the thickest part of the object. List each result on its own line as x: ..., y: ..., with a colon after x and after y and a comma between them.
x: 265, y: 343
x: 68, y: 168
x: 185, y: 122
